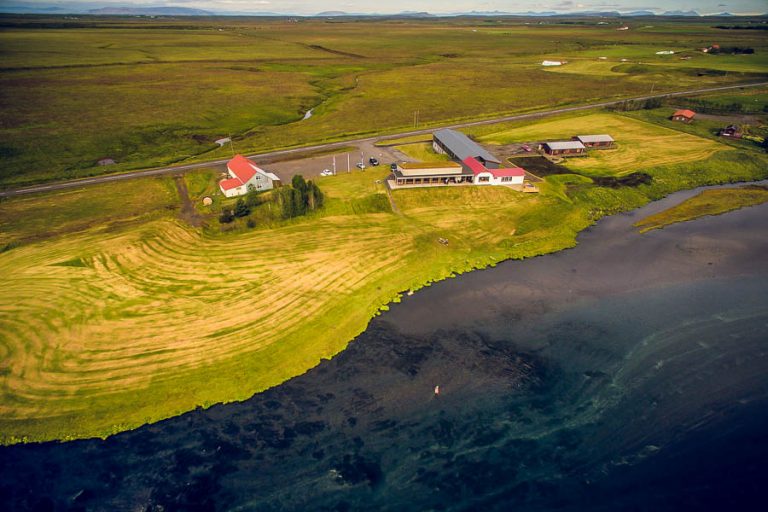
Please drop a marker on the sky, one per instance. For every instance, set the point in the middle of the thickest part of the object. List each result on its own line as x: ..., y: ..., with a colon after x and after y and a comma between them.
x: 441, y: 6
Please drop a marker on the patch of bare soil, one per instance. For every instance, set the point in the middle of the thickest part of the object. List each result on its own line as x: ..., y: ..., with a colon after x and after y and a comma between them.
x: 188, y: 213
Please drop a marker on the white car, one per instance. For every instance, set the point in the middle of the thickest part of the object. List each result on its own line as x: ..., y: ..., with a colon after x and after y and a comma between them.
x: 361, y: 166
x: 326, y: 172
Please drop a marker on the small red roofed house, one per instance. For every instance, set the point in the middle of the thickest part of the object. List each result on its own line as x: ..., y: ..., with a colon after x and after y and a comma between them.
x: 485, y: 176
x: 686, y: 116
x: 244, y: 176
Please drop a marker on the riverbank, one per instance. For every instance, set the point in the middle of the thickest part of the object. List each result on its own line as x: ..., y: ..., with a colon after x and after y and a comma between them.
x: 627, y: 372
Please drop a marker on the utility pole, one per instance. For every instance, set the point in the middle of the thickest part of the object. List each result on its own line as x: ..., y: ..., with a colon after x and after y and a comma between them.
x: 362, y: 164
x: 334, y: 165
x: 232, y: 145
x: 652, y: 86
x: 348, y: 168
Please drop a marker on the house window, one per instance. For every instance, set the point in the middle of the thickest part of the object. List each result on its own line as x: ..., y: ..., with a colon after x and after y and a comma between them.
x: 483, y: 179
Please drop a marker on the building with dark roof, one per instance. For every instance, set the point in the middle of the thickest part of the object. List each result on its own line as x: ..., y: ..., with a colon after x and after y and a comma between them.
x: 732, y: 131
x: 564, y: 148
x: 460, y: 147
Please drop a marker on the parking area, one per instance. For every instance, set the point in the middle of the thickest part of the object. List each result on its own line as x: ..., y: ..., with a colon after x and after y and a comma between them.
x: 313, y: 166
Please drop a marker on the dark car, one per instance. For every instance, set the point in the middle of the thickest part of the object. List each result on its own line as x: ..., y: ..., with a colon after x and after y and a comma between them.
x: 374, y: 162
x: 393, y: 167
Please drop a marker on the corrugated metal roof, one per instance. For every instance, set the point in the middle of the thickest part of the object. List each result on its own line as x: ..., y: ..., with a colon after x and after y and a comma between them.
x: 462, y: 146
x: 567, y: 144
x: 428, y: 165
x: 595, y: 138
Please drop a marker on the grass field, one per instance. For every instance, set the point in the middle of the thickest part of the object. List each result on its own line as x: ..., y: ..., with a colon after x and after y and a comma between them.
x: 708, y: 202
x: 150, y: 92
x: 639, y: 144
x: 105, y: 326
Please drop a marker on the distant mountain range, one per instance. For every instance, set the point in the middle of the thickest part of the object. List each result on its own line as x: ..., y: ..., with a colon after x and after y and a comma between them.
x: 100, y: 9
x: 149, y: 11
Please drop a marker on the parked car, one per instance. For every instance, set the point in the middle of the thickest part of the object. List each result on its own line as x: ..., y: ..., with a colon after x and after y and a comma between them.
x: 374, y: 162
x: 393, y: 167
x: 361, y: 166
x: 526, y: 147
x: 327, y: 172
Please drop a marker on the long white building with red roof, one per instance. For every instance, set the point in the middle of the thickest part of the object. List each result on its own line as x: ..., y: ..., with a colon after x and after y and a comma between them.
x: 244, y: 176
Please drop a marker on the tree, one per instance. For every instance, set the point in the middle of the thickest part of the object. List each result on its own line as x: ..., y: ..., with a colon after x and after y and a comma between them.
x: 299, y: 202
x: 241, y: 209
x: 298, y: 183
x: 315, y: 196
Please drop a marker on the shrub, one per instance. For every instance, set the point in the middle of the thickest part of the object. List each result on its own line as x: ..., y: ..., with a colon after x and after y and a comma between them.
x: 241, y: 209
x: 226, y: 217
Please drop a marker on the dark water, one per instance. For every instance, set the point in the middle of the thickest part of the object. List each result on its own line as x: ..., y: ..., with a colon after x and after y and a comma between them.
x: 629, y: 373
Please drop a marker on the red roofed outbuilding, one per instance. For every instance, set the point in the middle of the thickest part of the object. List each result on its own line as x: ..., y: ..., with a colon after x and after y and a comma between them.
x: 685, y: 115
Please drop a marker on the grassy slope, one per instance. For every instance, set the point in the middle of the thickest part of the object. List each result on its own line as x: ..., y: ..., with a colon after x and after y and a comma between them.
x: 155, y: 318
x: 148, y: 96
x: 708, y: 202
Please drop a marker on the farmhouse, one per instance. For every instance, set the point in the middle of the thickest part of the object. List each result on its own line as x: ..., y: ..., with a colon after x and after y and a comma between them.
x: 244, y: 175
x: 595, y: 141
x: 564, y: 148
x: 460, y: 147
x: 685, y: 116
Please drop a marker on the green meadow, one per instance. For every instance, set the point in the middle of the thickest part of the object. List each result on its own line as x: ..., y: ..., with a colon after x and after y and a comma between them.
x: 148, y: 92
x: 708, y: 202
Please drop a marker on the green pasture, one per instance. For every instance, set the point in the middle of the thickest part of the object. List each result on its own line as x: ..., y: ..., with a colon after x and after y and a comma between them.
x: 638, y: 144
x: 708, y: 202
x: 147, y: 95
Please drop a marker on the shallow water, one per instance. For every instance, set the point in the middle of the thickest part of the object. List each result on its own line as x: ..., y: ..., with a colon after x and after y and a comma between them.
x: 628, y: 373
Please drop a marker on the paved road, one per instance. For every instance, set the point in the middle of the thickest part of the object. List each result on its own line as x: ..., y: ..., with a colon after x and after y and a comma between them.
x: 330, y: 146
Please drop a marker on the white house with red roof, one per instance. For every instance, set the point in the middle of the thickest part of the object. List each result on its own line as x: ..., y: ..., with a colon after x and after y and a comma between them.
x: 245, y: 175
x: 486, y: 176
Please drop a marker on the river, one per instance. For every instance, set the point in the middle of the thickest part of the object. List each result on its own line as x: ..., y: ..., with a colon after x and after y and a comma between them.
x: 627, y: 373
